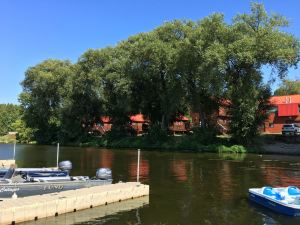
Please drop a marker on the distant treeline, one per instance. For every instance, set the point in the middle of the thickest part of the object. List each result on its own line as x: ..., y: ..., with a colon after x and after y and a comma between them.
x: 9, y: 114
x: 180, y: 66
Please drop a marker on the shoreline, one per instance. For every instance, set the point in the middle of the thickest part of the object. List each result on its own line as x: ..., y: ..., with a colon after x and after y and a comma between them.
x: 179, y: 144
x: 282, y: 148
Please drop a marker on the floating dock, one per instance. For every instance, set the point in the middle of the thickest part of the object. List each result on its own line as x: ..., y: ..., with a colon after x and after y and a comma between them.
x: 7, y: 163
x: 18, y: 210
x: 92, y: 216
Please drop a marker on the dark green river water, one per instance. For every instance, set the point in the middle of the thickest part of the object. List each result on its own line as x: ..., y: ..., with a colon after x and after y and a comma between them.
x: 185, y: 188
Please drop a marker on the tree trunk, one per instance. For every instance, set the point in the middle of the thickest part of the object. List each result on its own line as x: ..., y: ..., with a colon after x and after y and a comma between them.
x: 202, y: 117
x: 163, y: 122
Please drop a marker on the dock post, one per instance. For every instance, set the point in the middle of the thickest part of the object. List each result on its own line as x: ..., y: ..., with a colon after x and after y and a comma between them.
x: 14, y: 150
x: 57, y: 155
x: 138, y: 166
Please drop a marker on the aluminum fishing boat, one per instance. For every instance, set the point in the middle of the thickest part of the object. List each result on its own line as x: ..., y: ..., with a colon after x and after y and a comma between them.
x: 21, y: 182
x: 284, y: 200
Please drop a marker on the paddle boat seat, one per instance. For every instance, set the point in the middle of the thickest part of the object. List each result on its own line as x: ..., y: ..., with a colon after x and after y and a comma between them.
x: 293, y: 191
x: 271, y: 193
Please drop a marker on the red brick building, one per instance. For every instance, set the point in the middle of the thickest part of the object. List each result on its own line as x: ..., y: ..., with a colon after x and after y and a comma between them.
x: 104, y: 125
x: 139, y: 123
x: 180, y: 125
x: 285, y: 110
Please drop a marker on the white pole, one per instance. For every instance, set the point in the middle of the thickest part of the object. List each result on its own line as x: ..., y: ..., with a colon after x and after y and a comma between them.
x: 138, y: 166
x: 14, y: 151
x: 57, y: 155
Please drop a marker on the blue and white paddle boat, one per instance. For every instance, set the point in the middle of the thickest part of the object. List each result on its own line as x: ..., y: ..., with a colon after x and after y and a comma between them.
x: 284, y: 200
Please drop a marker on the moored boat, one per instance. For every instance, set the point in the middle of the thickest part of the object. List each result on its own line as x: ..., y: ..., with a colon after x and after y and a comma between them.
x: 284, y: 200
x: 23, y: 182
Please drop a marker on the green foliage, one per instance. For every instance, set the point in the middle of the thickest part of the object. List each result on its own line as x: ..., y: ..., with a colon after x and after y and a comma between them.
x: 24, y: 134
x: 7, y: 138
x: 255, y: 40
x: 9, y: 113
x: 42, y: 97
x: 156, y: 134
x: 232, y: 149
x: 178, y: 67
x: 155, y: 84
x: 118, y: 132
x: 204, y: 135
x: 181, y: 143
x: 248, y: 109
x: 201, y: 62
x: 288, y: 87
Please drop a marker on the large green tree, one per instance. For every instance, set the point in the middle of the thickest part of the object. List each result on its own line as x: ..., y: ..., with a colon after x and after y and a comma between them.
x: 179, y: 66
x: 156, y: 85
x: 255, y: 40
x: 201, y: 64
x: 83, y: 101
x: 43, y: 96
x: 288, y: 87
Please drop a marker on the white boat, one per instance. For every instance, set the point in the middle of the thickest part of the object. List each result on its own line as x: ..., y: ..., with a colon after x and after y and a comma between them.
x: 284, y: 200
x: 23, y: 182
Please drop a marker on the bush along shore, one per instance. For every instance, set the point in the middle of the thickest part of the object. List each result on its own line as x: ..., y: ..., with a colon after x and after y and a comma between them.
x: 263, y: 144
x: 8, y: 139
x: 170, y: 143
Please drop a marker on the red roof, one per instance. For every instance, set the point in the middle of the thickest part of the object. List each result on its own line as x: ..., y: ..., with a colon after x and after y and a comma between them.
x: 286, y: 99
x: 105, y: 119
x: 182, y: 118
x: 138, y: 118
x: 288, y: 109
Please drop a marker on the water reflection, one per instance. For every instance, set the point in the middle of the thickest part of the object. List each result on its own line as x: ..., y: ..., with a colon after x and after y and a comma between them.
x: 144, y: 170
x: 179, y: 169
x: 227, y: 188
x: 277, y: 176
x: 95, y: 215
x: 185, y: 188
x: 272, y: 218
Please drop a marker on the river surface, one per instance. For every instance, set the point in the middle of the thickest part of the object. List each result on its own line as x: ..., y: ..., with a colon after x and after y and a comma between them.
x: 185, y: 188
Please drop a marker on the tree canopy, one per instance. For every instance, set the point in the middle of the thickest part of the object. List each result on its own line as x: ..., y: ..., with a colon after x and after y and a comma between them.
x: 288, y: 87
x: 179, y: 67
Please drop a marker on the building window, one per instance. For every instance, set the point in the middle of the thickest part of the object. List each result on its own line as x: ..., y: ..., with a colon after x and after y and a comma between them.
x: 271, y: 125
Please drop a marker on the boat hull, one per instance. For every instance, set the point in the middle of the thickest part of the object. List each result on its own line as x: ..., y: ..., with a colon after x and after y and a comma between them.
x: 39, y: 188
x: 273, y: 204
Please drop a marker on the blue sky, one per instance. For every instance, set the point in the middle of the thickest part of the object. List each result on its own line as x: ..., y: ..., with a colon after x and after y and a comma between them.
x: 35, y: 30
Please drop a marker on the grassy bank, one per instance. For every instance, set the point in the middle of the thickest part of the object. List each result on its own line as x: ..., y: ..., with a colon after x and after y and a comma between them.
x: 8, y: 138
x: 172, y: 143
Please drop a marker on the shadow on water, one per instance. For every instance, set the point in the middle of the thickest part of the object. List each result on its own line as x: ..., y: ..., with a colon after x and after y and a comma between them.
x: 96, y: 215
x: 271, y: 218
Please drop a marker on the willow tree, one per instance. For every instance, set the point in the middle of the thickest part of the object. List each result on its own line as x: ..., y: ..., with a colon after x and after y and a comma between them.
x: 83, y: 102
x: 201, y: 63
x: 42, y: 97
x: 156, y: 84
x: 116, y: 88
x: 253, y: 41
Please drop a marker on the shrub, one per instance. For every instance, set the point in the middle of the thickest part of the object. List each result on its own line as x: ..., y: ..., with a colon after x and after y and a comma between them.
x: 156, y: 134
x: 205, y: 135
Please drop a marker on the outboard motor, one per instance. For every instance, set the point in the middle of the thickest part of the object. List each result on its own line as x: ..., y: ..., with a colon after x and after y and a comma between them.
x: 10, y: 172
x: 65, y: 165
x: 103, y: 174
